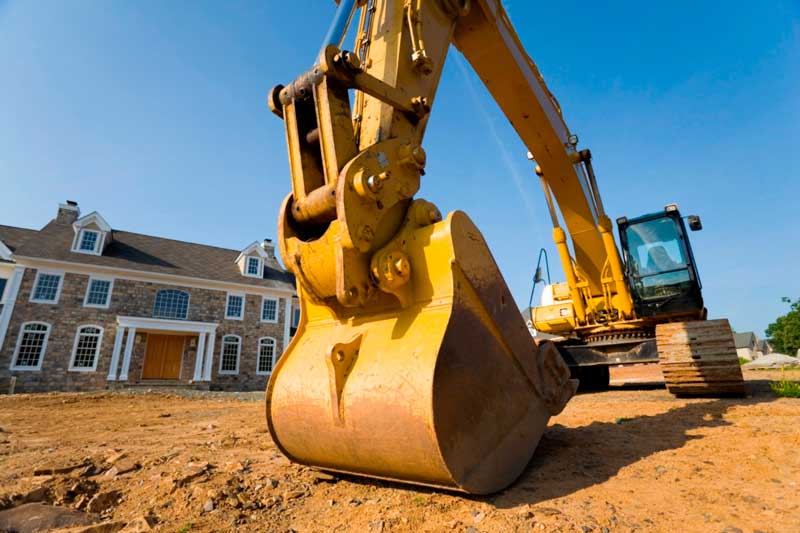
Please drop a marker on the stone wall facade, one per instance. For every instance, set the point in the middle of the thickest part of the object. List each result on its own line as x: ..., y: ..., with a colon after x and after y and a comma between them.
x: 136, y: 299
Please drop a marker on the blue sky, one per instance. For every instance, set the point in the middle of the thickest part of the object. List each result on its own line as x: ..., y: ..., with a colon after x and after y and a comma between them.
x: 154, y: 113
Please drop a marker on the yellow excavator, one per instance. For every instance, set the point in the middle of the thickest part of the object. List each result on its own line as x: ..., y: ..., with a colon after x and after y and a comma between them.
x: 642, y: 306
x: 411, y: 361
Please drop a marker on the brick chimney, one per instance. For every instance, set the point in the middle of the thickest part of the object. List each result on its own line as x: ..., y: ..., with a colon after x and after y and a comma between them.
x: 68, y: 212
x: 268, y: 247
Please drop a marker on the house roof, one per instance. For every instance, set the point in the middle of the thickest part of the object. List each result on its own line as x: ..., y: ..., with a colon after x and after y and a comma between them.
x: 135, y: 251
x: 746, y: 339
x: 13, y: 237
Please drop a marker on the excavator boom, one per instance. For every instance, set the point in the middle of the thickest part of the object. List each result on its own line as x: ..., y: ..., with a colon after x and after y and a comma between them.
x: 612, y: 311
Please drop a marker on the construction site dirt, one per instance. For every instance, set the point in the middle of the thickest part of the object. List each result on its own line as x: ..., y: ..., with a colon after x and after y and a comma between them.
x: 631, y: 459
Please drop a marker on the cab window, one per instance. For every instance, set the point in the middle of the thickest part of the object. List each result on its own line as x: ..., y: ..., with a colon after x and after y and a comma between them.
x: 657, y: 257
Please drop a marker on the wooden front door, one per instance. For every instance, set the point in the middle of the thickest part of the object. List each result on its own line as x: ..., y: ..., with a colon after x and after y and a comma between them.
x: 162, y: 359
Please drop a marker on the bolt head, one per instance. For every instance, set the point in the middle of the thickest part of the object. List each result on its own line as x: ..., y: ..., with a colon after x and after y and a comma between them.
x: 401, y: 266
x: 374, y: 183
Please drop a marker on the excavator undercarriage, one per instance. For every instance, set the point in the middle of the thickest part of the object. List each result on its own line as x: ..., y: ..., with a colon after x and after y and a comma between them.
x: 697, y: 358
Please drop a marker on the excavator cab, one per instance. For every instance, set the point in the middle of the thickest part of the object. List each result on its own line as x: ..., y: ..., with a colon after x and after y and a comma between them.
x: 660, y: 264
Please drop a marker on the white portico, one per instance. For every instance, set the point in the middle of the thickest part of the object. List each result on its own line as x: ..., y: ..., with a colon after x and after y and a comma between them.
x: 129, y: 326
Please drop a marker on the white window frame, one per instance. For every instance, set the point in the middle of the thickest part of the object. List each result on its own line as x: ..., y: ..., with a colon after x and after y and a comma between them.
x: 89, y: 286
x: 38, y: 367
x: 261, y: 311
x: 227, y: 300
x: 93, y: 368
x: 222, y: 352
x: 98, y: 244
x: 60, y: 275
x: 5, y: 288
x: 247, y: 273
x: 274, y: 355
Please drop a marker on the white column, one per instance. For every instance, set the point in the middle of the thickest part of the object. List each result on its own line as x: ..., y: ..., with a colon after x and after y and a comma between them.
x: 198, y: 362
x: 12, y: 290
x: 126, y: 361
x: 287, y: 315
x: 212, y: 337
x: 112, y: 368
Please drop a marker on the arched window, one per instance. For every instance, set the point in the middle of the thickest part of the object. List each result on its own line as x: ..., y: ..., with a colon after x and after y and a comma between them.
x: 31, y: 345
x: 86, y: 349
x: 266, y: 355
x: 171, y: 303
x: 229, y: 354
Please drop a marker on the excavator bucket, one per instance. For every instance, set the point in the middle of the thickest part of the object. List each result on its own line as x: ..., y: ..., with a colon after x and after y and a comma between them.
x: 449, y: 391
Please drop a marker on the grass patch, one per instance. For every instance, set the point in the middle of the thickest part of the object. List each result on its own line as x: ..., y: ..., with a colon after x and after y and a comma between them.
x: 743, y: 361
x: 186, y: 527
x: 785, y: 389
x: 622, y: 420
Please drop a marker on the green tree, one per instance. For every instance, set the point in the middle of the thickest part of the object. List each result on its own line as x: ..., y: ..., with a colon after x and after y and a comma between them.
x: 784, y: 333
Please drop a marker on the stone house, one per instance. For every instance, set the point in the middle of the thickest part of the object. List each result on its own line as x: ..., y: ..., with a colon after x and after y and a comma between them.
x: 750, y: 347
x: 84, y: 307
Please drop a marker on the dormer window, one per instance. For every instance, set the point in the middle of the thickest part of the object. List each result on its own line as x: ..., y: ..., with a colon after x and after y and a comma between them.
x: 251, y: 261
x: 92, y: 234
x: 254, y: 266
x: 89, y: 240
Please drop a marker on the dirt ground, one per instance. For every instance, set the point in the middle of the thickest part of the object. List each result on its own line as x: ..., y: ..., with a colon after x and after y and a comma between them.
x: 633, y: 458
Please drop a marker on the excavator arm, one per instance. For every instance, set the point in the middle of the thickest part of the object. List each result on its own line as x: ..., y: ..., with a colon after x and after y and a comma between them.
x: 395, y: 71
x: 411, y: 361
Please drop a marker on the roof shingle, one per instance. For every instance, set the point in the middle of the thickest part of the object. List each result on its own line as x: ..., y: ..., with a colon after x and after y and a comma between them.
x: 13, y: 237
x: 135, y: 251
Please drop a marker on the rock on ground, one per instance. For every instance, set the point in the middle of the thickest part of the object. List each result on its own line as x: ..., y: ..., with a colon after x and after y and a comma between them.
x: 773, y: 360
x: 31, y: 517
